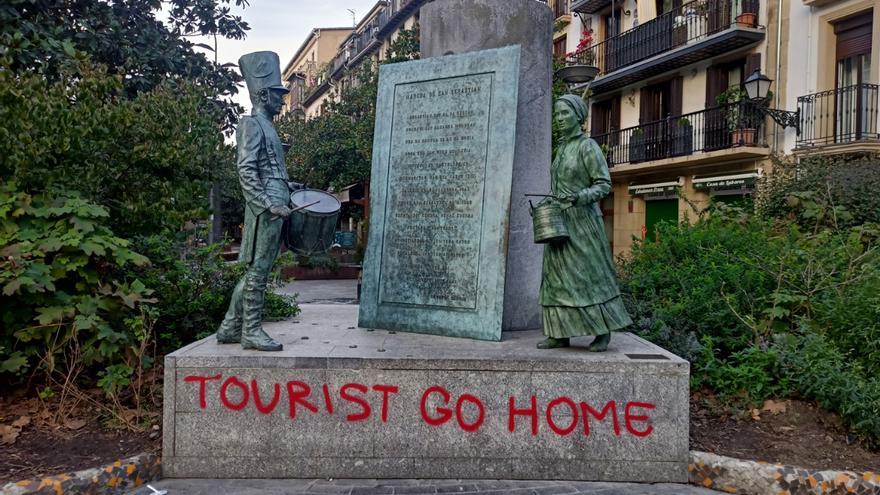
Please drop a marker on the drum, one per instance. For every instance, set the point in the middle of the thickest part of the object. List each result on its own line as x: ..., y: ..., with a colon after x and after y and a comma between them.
x: 549, y: 226
x: 312, y: 230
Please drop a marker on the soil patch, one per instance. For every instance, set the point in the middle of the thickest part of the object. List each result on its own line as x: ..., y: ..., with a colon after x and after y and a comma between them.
x: 40, y: 449
x: 787, y: 432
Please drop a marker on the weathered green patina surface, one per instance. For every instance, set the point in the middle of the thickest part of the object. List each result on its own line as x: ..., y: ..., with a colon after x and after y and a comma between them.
x: 579, y: 291
x: 441, y: 179
x: 265, y: 186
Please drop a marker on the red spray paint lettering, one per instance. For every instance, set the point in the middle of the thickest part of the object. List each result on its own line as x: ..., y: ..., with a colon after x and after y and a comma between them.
x: 437, y: 406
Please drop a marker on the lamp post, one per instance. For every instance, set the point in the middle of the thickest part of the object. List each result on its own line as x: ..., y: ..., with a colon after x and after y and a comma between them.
x: 757, y: 86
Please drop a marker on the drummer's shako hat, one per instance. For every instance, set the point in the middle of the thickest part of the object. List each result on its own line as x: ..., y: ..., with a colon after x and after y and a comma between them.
x: 261, y: 70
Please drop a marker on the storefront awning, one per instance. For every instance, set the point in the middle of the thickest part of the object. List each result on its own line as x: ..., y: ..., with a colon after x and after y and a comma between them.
x: 655, y: 188
x: 737, y: 181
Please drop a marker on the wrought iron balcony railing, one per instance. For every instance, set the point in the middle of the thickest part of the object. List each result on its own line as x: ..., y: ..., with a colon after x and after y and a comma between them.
x: 838, y: 116
x: 736, y: 124
x: 689, y: 23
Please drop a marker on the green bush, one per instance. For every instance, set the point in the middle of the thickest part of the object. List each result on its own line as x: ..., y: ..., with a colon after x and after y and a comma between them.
x: 768, y: 307
x: 150, y: 160
x: 847, y: 181
x: 822, y: 373
x: 193, y: 287
x: 63, y: 301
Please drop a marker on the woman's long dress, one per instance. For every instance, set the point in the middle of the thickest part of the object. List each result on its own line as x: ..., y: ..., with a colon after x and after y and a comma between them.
x: 579, y: 291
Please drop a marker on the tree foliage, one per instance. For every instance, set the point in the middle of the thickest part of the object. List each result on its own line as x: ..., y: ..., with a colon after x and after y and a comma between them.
x: 149, y: 159
x: 125, y: 36
x: 335, y: 148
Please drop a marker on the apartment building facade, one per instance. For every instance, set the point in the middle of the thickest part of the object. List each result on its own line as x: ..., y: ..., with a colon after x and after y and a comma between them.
x: 305, y: 70
x: 834, y: 74
x: 665, y: 107
x: 367, y: 42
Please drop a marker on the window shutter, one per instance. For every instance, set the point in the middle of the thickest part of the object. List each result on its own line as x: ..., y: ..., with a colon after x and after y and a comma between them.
x: 853, y: 36
x: 753, y: 62
x: 676, y: 95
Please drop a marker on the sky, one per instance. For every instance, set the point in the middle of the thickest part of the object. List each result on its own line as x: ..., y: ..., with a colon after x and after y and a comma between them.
x: 281, y: 26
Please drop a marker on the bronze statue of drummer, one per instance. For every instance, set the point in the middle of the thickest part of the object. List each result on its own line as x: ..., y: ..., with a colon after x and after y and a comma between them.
x: 266, y: 189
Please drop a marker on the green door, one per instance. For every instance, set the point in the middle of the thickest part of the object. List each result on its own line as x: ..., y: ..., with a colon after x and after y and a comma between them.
x: 656, y: 211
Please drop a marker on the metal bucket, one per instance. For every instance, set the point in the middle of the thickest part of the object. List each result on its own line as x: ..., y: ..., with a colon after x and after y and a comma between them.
x: 549, y: 226
x: 312, y: 230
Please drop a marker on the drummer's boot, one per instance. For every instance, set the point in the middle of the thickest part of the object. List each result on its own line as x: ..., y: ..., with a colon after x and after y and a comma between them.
x: 230, y: 330
x: 253, y: 336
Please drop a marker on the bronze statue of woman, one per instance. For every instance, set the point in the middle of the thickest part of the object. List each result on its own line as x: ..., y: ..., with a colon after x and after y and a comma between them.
x: 579, y: 292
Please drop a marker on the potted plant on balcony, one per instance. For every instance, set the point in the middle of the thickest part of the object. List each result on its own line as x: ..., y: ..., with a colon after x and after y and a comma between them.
x: 682, y: 137
x: 637, y: 146
x: 580, y: 64
x: 743, y: 18
x: 739, y: 116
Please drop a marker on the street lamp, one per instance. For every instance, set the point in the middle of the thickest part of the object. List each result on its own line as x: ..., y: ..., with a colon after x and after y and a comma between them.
x: 757, y: 86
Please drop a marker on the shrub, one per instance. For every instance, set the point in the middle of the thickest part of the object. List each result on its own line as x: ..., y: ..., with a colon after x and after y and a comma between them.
x: 822, y: 373
x: 61, y: 291
x: 148, y: 160
x: 847, y: 181
x: 193, y: 286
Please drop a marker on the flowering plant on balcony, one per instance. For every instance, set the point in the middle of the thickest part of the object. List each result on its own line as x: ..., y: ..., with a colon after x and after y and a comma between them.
x: 582, y: 53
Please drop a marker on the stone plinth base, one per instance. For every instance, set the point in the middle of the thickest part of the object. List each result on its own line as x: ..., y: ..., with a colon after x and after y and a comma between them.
x: 347, y: 402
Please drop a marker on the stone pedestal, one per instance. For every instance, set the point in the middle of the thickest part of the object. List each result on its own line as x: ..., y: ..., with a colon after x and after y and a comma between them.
x: 345, y: 402
x: 460, y: 26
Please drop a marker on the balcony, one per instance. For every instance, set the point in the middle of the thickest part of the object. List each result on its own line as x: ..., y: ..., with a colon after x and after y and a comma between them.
x: 735, y: 128
x: 589, y: 6
x: 696, y: 31
x: 843, y: 116
x: 560, y: 8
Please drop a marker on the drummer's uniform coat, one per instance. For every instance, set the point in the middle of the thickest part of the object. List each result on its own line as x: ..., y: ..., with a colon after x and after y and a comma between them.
x: 264, y: 183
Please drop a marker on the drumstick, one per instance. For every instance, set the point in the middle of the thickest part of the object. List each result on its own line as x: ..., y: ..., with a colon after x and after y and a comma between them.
x: 304, y: 206
x: 299, y: 208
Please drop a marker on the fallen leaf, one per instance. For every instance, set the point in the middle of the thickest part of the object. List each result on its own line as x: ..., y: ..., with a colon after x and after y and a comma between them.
x: 775, y: 407
x: 8, y: 434
x: 22, y: 421
x: 74, y: 424
x: 756, y: 414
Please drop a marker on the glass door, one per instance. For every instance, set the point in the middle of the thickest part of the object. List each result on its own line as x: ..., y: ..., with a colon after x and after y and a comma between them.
x: 852, y: 103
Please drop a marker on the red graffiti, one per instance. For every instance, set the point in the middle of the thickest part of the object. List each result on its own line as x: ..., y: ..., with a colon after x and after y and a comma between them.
x: 630, y: 418
x: 364, y: 405
x: 202, y: 381
x: 444, y: 414
x: 437, y: 406
x: 258, y: 403
x: 513, y: 412
x: 225, y: 399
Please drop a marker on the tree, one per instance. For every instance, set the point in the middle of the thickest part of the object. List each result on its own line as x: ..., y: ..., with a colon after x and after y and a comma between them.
x: 149, y: 159
x: 127, y: 37
x: 335, y: 149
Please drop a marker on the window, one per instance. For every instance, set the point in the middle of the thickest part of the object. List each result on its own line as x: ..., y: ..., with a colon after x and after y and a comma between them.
x: 853, y: 70
x: 559, y: 47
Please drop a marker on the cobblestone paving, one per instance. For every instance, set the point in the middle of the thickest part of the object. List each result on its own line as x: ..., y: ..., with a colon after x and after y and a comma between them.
x: 398, y: 487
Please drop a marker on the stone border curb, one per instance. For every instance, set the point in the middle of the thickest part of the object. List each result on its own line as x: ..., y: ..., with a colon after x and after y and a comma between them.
x: 110, y: 479
x: 760, y: 478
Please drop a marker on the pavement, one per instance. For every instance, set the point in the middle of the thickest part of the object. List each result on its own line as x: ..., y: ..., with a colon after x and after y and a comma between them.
x: 345, y: 292
x: 394, y: 487
x: 322, y: 291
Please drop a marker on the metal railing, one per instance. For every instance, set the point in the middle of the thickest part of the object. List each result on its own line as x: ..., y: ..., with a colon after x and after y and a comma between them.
x: 689, y: 23
x: 726, y: 126
x: 837, y: 116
